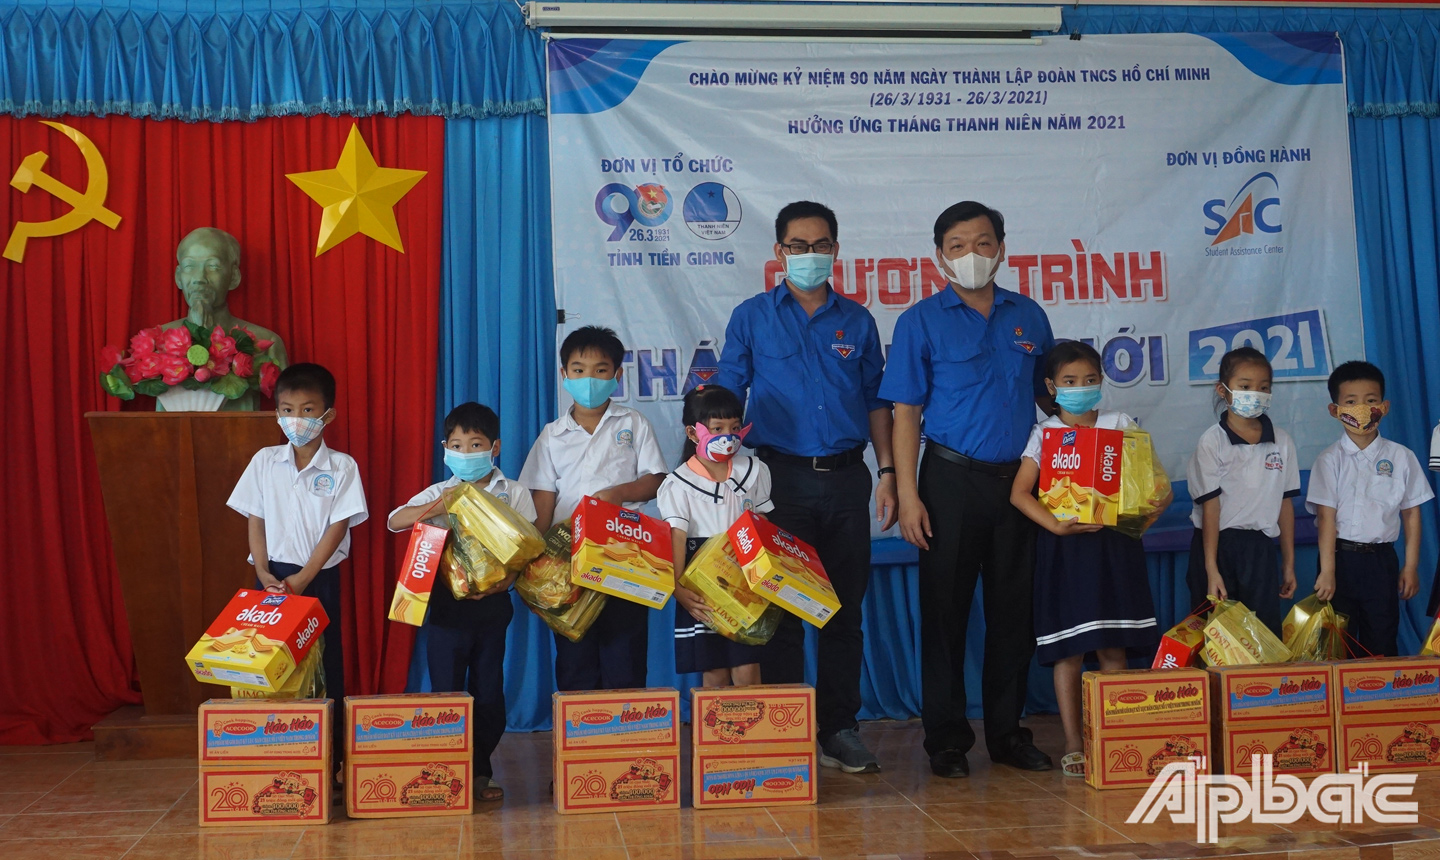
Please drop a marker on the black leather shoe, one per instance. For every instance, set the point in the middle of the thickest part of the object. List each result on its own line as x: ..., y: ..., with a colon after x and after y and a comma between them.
x: 1025, y: 756
x: 950, y: 764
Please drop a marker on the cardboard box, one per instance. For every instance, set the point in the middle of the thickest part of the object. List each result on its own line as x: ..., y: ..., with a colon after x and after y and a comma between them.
x: 783, y: 569
x: 752, y: 717
x: 1296, y: 693
x: 417, y: 574
x: 261, y: 731
x: 1382, y: 688
x: 1403, y: 744
x: 715, y: 575
x: 619, y: 781
x: 1080, y: 473
x: 1149, y: 699
x: 257, y: 640
x: 745, y: 775
x: 414, y: 725
x: 1132, y: 759
x: 264, y: 796
x: 1302, y: 750
x: 591, y: 723
x: 1181, y: 644
x: 408, y: 788
x: 622, y: 553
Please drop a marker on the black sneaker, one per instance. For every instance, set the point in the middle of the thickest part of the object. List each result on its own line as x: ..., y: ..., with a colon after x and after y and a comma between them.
x: 844, y: 750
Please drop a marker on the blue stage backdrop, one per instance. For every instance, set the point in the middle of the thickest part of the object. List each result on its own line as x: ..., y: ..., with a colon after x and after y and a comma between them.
x: 477, y: 65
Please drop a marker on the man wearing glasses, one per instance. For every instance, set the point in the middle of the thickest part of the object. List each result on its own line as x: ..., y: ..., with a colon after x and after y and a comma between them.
x: 811, y: 362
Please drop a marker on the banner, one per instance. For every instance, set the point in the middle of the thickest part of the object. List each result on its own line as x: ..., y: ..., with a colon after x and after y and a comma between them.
x: 1167, y: 198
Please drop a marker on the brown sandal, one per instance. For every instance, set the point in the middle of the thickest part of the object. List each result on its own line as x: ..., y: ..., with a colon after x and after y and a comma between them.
x: 491, y: 791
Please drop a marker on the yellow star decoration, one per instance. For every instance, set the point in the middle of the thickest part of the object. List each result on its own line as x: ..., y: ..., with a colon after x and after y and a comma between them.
x: 359, y: 196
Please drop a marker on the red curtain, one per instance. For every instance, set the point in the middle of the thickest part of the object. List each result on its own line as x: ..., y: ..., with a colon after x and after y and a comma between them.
x: 367, y: 312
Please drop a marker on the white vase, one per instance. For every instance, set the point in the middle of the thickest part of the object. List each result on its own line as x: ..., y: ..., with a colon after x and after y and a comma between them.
x: 179, y: 399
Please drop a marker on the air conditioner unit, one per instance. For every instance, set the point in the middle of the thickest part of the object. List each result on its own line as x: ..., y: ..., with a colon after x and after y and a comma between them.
x: 792, y: 17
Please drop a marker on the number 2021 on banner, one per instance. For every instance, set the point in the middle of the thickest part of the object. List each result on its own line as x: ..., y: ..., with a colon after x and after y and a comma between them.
x: 1296, y: 344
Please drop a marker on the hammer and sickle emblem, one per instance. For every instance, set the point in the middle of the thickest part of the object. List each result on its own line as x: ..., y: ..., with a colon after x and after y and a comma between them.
x: 85, y: 206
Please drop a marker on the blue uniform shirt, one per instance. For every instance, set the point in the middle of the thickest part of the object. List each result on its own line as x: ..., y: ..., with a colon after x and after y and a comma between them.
x: 812, y: 381
x: 977, y: 379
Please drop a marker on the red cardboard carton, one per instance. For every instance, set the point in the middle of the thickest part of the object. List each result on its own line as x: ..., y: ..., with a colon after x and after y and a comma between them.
x: 620, y: 781
x: 257, y: 640
x: 1383, y: 687
x: 783, y: 569
x: 746, y: 775
x: 418, y: 787
x: 597, y: 722
x: 261, y: 731
x: 264, y: 796
x: 622, y: 553
x: 1181, y: 644
x: 1080, y: 473
x: 753, y: 717
x: 417, y: 574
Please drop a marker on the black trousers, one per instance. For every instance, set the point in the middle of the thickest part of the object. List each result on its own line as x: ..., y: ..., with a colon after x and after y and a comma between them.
x: 611, y: 655
x: 472, y: 659
x: 325, y: 587
x: 831, y: 512
x: 978, y: 536
x: 1367, y: 588
x: 1249, y: 563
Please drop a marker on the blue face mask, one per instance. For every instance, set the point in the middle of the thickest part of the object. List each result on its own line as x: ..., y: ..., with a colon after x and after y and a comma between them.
x: 591, y: 392
x: 809, y: 271
x: 470, y: 466
x: 1078, y: 400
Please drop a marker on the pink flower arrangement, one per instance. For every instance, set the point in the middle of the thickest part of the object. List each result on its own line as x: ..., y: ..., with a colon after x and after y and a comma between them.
x: 231, y: 363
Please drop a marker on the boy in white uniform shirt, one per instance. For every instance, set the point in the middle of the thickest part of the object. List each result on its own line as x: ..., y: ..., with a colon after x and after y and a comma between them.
x: 1361, y: 488
x: 302, y: 500
x: 465, y: 639
x: 601, y: 449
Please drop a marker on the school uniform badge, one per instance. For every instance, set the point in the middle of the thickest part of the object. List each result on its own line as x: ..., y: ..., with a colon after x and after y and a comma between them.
x: 1386, y: 468
x: 1028, y: 346
x: 845, y: 349
x: 1274, y: 462
x: 323, y: 485
x: 624, y: 439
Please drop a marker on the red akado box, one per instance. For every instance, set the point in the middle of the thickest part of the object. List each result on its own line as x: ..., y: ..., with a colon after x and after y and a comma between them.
x: 417, y: 574
x: 1080, y: 473
x: 1181, y: 644
x: 257, y: 640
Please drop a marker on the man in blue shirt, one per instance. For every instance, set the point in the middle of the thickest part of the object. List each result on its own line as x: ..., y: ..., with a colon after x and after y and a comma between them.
x: 811, y: 362
x: 969, y: 360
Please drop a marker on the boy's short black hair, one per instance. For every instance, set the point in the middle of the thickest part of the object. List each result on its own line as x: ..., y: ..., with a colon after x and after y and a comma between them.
x: 307, y: 377
x: 593, y: 338
x: 805, y: 209
x: 473, y: 417
x: 1354, y: 371
x: 968, y: 210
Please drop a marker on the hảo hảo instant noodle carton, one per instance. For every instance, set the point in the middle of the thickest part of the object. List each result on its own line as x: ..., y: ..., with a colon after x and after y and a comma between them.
x: 257, y: 640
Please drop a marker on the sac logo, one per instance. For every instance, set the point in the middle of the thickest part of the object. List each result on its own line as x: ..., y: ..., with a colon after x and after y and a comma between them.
x: 1255, y: 207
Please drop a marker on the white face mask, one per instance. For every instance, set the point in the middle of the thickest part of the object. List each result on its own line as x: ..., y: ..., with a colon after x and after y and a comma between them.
x: 970, y: 272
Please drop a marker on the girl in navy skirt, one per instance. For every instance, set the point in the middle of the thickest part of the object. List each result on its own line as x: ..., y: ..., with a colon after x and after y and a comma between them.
x: 712, y: 488
x: 1092, y: 592
x: 1242, y: 477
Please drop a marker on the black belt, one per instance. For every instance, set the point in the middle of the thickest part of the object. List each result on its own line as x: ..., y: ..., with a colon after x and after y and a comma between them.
x: 819, y: 464
x: 1352, y: 546
x: 950, y: 455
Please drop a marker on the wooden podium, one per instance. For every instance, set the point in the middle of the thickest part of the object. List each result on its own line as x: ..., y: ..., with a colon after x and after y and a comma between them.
x: 181, y: 554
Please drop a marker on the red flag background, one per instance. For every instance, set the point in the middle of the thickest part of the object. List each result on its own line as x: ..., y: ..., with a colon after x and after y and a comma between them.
x: 367, y: 312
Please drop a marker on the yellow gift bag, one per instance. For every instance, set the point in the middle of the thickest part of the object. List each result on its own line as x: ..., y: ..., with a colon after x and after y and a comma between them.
x: 1143, y: 483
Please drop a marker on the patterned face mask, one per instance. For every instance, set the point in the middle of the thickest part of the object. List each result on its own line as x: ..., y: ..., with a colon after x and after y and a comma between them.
x: 1359, y: 416
x: 718, y: 447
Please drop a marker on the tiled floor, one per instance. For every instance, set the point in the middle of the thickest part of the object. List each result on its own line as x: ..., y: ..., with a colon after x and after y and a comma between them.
x: 58, y: 803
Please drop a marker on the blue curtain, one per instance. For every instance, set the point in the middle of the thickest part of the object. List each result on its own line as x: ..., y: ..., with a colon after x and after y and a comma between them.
x: 246, y: 59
